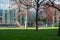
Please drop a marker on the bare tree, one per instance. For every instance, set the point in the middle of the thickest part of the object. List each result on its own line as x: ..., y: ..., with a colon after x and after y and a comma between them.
x: 56, y: 6
x: 17, y: 4
x: 36, y: 6
x: 50, y: 3
x: 53, y: 4
x: 27, y: 4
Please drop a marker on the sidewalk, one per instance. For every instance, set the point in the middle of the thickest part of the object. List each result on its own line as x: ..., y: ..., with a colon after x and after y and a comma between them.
x: 29, y: 28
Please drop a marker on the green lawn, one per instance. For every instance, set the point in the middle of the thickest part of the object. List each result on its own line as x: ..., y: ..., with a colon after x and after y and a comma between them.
x: 19, y: 34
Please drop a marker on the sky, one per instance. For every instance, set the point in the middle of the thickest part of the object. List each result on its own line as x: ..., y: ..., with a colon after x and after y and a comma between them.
x: 5, y: 4
x: 57, y: 1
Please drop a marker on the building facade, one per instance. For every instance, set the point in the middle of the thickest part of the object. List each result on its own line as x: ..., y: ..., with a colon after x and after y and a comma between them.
x: 7, y: 16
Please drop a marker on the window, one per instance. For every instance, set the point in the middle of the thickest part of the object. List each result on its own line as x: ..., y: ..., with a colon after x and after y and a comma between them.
x: 0, y: 20
x: 55, y: 13
x: 55, y: 19
x: 14, y: 13
x: 11, y: 16
x: 1, y: 11
x: 6, y: 16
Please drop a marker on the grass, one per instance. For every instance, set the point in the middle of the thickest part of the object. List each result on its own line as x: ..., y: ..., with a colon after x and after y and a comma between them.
x: 19, y: 34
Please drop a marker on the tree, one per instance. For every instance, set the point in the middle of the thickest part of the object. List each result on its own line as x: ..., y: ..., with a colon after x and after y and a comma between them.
x: 52, y: 4
x: 36, y: 7
x: 27, y: 5
x: 17, y: 4
x: 37, y: 15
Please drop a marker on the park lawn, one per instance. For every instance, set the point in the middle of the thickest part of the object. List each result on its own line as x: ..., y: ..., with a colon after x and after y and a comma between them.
x: 29, y: 34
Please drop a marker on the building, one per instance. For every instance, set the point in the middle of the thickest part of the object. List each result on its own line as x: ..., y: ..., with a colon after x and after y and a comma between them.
x: 7, y: 17
x: 56, y: 16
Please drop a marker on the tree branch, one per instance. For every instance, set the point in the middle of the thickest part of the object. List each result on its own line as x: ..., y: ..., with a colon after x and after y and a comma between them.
x: 53, y: 5
x: 41, y: 2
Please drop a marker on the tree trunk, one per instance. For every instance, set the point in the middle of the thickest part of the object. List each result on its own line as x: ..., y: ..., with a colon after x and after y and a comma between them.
x: 26, y: 19
x: 37, y: 15
x: 53, y: 21
x: 17, y: 22
x: 59, y: 29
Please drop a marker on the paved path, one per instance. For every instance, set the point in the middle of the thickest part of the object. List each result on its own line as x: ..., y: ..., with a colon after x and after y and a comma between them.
x: 29, y: 28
